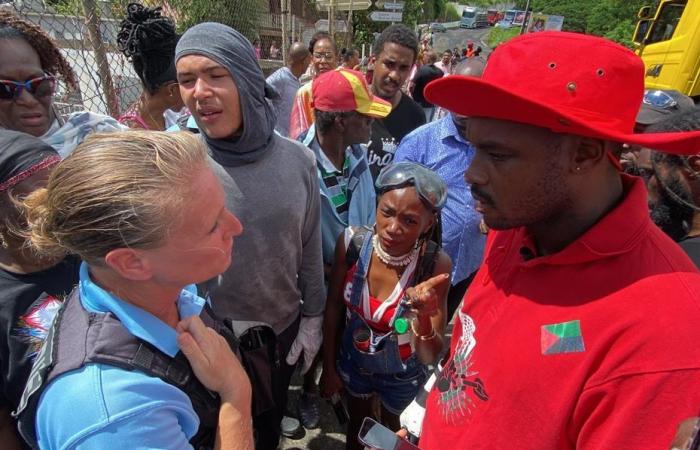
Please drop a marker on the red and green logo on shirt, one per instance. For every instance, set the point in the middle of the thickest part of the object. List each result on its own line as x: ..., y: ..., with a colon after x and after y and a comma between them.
x: 562, y: 337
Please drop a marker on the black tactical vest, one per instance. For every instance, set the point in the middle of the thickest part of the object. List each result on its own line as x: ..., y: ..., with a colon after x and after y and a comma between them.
x: 79, y: 337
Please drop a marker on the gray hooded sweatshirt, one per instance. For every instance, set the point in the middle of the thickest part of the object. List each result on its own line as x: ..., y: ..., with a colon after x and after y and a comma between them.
x: 271, y: 186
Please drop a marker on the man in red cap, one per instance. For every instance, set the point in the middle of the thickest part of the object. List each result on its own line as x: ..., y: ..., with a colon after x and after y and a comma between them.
x: 580, y: 329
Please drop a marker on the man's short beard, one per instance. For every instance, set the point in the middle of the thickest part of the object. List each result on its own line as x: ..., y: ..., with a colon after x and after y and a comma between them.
x: 668, y: 214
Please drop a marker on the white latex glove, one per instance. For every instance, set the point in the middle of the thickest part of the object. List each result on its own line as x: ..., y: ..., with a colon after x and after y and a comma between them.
x: 308, y: 340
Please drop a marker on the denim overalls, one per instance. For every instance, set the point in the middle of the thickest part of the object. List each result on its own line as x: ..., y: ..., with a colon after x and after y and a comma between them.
x: 378, y: 367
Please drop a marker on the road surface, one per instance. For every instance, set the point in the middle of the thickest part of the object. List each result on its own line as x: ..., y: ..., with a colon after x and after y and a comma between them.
x: 329, y: 435
x: 459, y: 38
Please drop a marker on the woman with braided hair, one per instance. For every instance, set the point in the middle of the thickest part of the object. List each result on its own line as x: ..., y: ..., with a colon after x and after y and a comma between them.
x: 30, y: 66
x: 148, y: 39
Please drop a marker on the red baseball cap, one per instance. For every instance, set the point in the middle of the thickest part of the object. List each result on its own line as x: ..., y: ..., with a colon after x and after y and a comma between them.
x: 346, y: 90
x: 565, y: 82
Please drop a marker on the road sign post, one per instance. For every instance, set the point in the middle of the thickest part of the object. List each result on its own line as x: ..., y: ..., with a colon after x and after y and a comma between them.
x: 322, y: 25
x: 394, y: 5
x: 345, y: 5
x: 385, y: 16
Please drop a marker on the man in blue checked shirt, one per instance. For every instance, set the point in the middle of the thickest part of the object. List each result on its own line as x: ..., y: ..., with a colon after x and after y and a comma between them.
x: 441, y: 146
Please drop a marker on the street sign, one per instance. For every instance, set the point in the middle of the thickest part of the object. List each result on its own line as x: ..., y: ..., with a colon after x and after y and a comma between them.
x: 340, y: 25
x: 345, y: 5
x: 386, y: 16
x: 393, y: 5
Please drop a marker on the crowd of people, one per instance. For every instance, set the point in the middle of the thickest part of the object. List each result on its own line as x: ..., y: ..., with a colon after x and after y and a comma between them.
x: 163, y: 275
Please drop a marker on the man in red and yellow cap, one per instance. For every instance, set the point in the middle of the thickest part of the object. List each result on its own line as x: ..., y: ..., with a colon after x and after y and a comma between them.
x: 344, y: 109
x: 580, y: 329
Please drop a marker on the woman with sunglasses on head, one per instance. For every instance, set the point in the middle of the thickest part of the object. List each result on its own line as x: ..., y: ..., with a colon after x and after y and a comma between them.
x: 30, y: 66
x: 31, y: 288
x: 323, y: 59
x: 148, y: 40
x: 385, y: 313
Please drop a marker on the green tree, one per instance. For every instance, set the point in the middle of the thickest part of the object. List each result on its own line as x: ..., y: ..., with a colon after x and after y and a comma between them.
x: 613, y: 19
x: 414, y: 12
x: 575, y: 13
x: 451, y: 14
x: 243, y: 15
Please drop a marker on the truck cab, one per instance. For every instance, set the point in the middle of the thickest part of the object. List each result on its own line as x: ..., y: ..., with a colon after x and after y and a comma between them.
x: 668, y: 41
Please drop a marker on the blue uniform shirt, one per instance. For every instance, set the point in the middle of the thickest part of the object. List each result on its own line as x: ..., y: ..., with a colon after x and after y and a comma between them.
x: 439, y: 147
x: 103, y: 407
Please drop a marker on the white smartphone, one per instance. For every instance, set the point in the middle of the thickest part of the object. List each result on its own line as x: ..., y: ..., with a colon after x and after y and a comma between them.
x: 376, y: 436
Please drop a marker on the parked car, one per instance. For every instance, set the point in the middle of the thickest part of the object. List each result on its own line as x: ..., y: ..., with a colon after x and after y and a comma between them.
x: 437, y: 28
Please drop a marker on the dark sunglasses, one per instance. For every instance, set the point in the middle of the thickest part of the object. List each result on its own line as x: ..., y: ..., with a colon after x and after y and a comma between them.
x: 38, y: 87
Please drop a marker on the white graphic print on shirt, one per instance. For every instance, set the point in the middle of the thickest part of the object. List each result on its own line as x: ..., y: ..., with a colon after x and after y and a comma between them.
x: 459, y: 386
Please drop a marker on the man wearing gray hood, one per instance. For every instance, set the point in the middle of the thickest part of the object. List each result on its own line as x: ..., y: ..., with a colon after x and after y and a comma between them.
x: 270, y: 182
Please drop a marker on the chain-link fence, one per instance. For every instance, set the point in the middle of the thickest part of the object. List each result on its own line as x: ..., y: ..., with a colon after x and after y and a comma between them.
x: 86, y: 32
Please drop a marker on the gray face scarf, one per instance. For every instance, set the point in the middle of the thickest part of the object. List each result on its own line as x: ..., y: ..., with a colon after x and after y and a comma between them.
x: 232, y: 50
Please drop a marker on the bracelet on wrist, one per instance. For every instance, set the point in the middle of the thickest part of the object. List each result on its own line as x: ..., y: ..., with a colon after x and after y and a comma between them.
x: 423, y: 337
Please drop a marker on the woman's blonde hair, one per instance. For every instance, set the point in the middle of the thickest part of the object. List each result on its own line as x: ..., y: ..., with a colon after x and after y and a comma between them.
x: 116, y: 190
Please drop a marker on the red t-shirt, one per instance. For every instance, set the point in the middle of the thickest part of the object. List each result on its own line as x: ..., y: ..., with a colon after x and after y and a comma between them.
x: 594, y: 347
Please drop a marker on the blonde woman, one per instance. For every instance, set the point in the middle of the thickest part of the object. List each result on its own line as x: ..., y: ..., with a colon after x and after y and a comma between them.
x: 129, y: 351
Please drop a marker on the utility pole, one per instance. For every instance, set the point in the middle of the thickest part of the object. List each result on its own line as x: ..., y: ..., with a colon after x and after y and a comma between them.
x: 331, y: 20
x: 283, y: 44
x: 92, y: 20
x: 349, y: 30
x: 527, y: 10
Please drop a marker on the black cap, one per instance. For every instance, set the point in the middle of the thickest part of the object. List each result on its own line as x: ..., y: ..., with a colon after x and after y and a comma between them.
x: 650, y: 114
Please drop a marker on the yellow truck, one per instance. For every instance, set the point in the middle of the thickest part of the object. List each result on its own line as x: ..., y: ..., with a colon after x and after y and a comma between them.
x: 668, y: 40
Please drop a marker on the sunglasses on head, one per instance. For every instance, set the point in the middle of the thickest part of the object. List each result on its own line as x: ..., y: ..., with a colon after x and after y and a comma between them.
x: 43, y: 86
x: 659, y: 99
x: 428, y: 184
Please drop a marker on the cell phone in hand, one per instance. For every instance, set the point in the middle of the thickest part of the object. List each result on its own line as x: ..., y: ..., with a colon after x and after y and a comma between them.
x: 376, y: 436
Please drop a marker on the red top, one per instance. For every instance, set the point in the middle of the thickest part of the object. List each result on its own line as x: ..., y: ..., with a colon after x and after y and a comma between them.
x: 594, y: 347
x: 378, y: 313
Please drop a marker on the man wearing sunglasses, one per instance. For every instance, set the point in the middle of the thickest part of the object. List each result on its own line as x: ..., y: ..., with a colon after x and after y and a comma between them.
x: 657, y: 106
x: 580, y: 329
x: 674, y: 187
